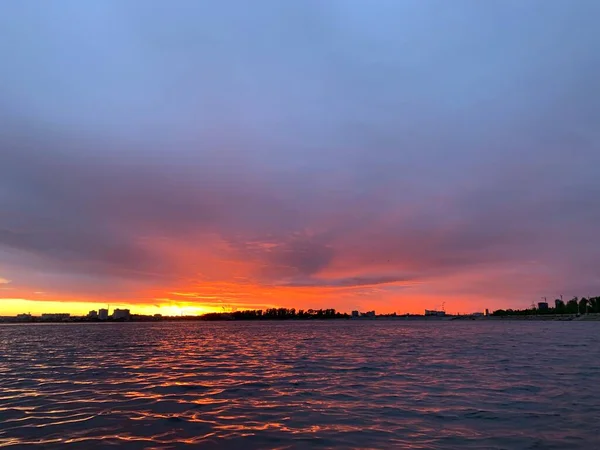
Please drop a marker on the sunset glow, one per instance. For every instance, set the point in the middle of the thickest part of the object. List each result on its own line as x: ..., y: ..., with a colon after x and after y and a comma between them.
x: 182, y: 165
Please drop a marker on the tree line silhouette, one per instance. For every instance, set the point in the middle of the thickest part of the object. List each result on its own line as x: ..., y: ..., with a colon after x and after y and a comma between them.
x: 574, y: 306
x: 276, y: 314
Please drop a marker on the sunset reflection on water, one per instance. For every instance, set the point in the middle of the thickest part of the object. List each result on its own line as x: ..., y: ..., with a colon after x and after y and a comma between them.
x: 379, y: 384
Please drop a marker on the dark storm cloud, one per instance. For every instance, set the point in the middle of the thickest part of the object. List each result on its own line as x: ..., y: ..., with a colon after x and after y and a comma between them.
x: 350, y: 281
x: 379, y: 140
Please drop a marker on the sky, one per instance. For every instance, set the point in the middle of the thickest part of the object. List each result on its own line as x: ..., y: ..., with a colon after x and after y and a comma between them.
x: 190, y: 156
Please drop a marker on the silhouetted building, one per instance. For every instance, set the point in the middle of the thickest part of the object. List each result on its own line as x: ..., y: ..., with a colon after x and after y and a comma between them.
x: 355, y: 314
x: 103, y: 314
x: 24, y: 317
x: 121, y: 314
x: 430, y: 312
x: 487, y: 312
x: 93, y: 315
x: 543, y: 306
x: 369, y: 314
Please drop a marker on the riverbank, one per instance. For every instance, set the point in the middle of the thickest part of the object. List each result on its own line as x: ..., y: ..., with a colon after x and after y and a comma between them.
x: 409, y: 318
x: 555, y: 317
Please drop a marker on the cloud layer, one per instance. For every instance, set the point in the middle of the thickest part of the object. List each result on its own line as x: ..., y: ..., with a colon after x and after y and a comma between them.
x: 395, y: 155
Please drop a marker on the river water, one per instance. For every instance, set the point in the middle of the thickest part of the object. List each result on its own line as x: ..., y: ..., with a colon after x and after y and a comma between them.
x: 331, y: 384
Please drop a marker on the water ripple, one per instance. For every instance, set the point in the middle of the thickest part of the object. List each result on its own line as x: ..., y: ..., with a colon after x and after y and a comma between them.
x: 380, y: 384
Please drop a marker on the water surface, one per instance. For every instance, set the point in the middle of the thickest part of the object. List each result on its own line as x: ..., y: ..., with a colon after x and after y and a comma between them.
x: 343, y: 384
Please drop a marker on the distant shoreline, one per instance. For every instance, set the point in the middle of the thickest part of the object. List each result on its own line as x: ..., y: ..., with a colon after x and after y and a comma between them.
x: 409, y: 318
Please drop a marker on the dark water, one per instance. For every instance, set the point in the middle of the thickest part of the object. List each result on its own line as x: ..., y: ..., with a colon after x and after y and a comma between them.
x: 343, y: 384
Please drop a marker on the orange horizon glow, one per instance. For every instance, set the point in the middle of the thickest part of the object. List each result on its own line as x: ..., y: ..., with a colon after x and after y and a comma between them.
x: 218, y: 278
x: 12, y: 307
x: 80, y: 308
x: 179, y: 303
